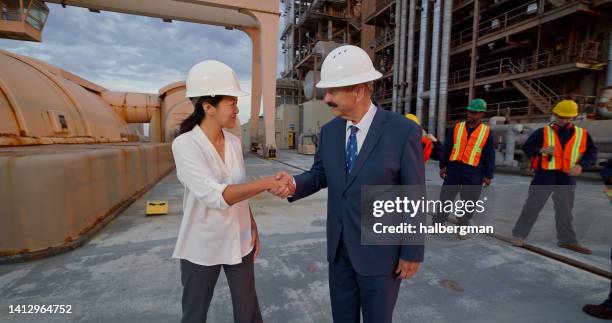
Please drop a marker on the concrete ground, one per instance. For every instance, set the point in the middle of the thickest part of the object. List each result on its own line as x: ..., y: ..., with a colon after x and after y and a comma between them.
x: 125, y: 273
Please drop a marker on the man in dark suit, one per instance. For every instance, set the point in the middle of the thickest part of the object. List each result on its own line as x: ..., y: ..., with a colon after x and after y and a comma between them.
x: 363, y: 145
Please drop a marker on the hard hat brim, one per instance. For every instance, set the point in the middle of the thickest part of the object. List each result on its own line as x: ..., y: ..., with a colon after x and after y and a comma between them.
x: 475, y: 110
x: 566, y: 115
x: 235, y: 93
x: 358, y: 79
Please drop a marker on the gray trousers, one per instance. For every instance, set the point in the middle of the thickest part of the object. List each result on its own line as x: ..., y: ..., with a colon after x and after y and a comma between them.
x: 199, y: 285
x: 563, y: 199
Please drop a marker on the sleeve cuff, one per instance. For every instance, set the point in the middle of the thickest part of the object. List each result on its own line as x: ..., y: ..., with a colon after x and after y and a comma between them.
x: 413, y: 253
x: 220, y: 188
x: 583, y: 164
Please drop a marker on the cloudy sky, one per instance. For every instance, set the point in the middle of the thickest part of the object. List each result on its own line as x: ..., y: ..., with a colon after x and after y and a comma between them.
x: 132, y: 53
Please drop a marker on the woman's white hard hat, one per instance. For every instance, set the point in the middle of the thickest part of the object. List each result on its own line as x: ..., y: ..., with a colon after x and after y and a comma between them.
x: 347, y: 65
x: 211, y: 78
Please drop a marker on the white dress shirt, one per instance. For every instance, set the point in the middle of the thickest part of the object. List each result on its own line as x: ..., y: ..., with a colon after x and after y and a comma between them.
x: 363, y: 125
x: 211, y: 232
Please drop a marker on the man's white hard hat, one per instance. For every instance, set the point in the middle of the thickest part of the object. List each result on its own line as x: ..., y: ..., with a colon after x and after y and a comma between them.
x: 211, y: 78
x: 347, y: 65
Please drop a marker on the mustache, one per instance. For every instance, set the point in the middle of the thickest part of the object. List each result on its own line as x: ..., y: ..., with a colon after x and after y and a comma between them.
x: 332, y: 104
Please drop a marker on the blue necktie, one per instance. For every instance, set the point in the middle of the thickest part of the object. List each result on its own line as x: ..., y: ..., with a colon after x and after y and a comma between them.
x: 351, y: 149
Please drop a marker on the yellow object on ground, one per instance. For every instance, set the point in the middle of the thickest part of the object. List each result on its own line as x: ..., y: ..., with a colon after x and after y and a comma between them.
x: 157, y: 207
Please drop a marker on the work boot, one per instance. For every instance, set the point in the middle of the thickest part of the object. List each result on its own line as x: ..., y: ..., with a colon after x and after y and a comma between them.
x: 517, y: 242
x: 602, y: 311
x: 575, y: 247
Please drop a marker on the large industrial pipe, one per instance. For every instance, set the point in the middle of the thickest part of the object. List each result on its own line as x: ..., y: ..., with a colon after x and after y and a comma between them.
x: 433, y: 74
x: 609, y: 67
x: 510, y: 140
x: 410, y: 59
x: 604, y: 101
x: 396, y: 50
x: 422, y: 59
x: 444, y: 62
x: 133, y: 107
x: 402, y: 58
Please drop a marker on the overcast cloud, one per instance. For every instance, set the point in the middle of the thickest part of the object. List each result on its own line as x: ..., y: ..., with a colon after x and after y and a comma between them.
x: 132, y: 53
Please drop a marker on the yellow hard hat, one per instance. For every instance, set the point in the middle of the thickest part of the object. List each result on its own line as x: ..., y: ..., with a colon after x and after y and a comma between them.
x: 566, y: 108
x: 413, y: 118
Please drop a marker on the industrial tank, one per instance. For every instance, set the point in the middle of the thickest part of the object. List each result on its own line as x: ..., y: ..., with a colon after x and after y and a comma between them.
x: 72, y: 155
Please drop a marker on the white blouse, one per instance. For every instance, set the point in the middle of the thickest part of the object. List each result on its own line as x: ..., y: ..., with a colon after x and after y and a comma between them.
x: 211, y: 232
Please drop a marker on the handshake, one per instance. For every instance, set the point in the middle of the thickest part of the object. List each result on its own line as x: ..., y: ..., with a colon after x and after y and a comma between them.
x: 280, y: 185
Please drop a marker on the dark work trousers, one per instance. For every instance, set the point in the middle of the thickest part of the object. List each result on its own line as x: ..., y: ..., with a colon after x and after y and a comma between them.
x: 464, y: 179
x: 349, y: 292
x: 544, y: 184
x: 199, y: 284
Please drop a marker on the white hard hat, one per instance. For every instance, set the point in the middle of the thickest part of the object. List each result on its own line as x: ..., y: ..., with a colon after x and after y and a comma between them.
x: 347, y: 65
x: 210, y: 78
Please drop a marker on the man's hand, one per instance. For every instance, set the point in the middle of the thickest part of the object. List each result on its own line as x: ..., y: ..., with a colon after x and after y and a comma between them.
x: 486, y: 181
x: 285, y: 190
x: 548, y: 150
x: 406, y: 269
x: 443, y: 173
x: 575, y: 171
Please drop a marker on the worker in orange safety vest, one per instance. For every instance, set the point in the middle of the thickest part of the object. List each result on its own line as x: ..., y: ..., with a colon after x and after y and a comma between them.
x: 469, y: 160
x: 562, y: 150
x: 432, y: 148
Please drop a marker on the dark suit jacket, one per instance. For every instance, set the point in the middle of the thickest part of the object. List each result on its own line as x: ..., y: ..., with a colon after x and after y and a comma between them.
x: 391, y: 154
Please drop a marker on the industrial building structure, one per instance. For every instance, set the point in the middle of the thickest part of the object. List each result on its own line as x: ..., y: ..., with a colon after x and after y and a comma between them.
x: 524, y: 56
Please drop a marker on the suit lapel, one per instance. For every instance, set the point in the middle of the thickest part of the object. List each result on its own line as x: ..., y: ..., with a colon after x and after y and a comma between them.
x: 374, y: 133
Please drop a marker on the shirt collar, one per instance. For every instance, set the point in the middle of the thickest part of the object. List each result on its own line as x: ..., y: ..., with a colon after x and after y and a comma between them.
x: 365, y: 122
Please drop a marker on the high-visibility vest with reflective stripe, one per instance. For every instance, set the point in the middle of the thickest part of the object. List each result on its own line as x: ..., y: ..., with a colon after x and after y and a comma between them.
x: 468, y: 150
x: 563, y: 158
x: 427, y: 148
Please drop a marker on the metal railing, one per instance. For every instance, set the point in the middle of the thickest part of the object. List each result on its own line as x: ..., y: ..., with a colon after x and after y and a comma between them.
x: 34, y: 14
x: 318, y: 7
x: 382, y: 3
x: 380, y: 40
x: 378, y: 6
x: 586, y: 104
x: 306, y: 50
x: 534, y: 86
x: 381, y: 95
x: 12, y: 14
x: 461, y: 37
x: 589, y: 51
x: 514, y: 107
x: 502, y: 21
x: 289, y: 99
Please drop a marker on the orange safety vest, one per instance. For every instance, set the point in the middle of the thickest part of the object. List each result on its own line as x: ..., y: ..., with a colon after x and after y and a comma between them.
x: 427, y: 147
x: 468, y: 150
x: 563, y: 158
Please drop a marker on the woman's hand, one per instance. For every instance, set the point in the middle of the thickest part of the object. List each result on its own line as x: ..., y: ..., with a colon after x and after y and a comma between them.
x: 254, y: 238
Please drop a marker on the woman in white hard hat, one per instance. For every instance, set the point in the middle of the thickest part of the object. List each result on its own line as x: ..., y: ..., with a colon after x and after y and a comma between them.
x: 217, y: 230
